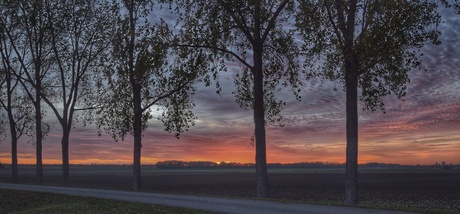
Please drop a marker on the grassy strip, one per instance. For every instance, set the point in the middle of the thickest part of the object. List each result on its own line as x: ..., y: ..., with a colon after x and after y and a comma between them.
x: 28, y: 202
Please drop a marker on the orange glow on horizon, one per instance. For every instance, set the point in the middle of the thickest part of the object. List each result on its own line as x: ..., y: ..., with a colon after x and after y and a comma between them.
x: 423, y: 158
x: 231, y: 150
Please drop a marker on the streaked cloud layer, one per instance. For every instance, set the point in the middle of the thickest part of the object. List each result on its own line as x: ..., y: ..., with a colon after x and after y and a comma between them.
x: 423, y: 129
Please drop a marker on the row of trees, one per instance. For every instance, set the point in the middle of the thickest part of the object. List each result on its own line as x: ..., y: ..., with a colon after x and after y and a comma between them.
x: 114, y: 62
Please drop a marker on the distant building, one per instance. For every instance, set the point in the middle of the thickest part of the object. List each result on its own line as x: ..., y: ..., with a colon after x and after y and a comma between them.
x: 443, y: 163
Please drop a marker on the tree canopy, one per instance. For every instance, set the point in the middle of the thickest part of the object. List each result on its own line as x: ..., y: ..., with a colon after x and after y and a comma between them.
x: 253, y: 34
x: 148, y: 74
x: 386, y: 36
x: 229, y: 31
x: 370, y: 45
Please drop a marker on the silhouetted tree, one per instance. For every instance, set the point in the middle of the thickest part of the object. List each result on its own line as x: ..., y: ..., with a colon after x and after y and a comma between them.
x: 19, y: 111
x: 25, y: 25
x: 366, y: 44
x: 147, y: 76
x: 80, y: 37
x: 252, y: 33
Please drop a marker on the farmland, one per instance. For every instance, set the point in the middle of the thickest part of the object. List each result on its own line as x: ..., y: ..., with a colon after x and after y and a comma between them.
x: 425, y: 190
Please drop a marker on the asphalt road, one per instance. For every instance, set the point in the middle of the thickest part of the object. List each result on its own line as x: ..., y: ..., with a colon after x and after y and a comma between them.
x: 220, y: 205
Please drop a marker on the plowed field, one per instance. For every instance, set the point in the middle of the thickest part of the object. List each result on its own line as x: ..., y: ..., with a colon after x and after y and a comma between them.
x: 418, y: 190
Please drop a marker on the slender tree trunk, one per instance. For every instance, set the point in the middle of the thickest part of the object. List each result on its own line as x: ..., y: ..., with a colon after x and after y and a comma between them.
x: 14, y: 145
x: 137, y: 101
x: 65, y: 154
x: 14, y: 156
x: 38, y: 136
x: 259, y: 120
x: 137, y: 128
x: 351, y: 183
x: 14, y: 160
x: 351, y: 85
x: 13, y: 132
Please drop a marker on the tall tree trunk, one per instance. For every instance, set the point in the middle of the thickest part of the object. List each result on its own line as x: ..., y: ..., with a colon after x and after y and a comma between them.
x: 351, y: 181
x: 14, y: 148
x: 38, y: 135
x: 14, y: 159
x: 137, y: 129
x: 13, y: 132
x: 259, y: 120
x: 351, y: 85
x: 65, y: 154
x: 137, y: 101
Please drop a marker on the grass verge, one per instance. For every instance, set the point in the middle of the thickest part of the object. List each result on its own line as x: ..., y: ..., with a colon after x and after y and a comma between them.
x: 28, y: 202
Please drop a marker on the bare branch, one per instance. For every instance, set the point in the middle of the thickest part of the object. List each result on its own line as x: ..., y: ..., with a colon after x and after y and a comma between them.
x: 217, y: 49
x: 271, y: 23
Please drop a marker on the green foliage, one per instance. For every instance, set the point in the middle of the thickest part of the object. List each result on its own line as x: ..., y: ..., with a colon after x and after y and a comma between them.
x: 366, y: 44
x: 386, y: 41
x: 143, y: 59
x: 229, y: 32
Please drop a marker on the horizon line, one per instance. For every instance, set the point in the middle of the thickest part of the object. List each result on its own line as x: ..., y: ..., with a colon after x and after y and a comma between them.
x: 239, y: 163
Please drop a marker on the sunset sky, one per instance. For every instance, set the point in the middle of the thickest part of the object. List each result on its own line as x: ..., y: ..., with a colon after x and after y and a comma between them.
x: 423, y: 129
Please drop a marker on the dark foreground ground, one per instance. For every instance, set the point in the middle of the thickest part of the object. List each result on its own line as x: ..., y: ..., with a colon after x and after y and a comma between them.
x: 417, y: 190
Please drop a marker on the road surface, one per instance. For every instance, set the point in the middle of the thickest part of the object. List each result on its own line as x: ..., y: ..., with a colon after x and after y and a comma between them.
x: 213, y: 204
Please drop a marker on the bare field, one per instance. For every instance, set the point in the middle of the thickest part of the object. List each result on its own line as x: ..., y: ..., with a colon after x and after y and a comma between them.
x: 417, y: 190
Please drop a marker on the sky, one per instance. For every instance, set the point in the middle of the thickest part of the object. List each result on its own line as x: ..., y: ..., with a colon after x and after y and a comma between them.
x: 423, y: 129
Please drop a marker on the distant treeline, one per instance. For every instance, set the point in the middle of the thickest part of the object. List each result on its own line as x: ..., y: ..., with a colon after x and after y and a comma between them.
x: 173, y: 164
